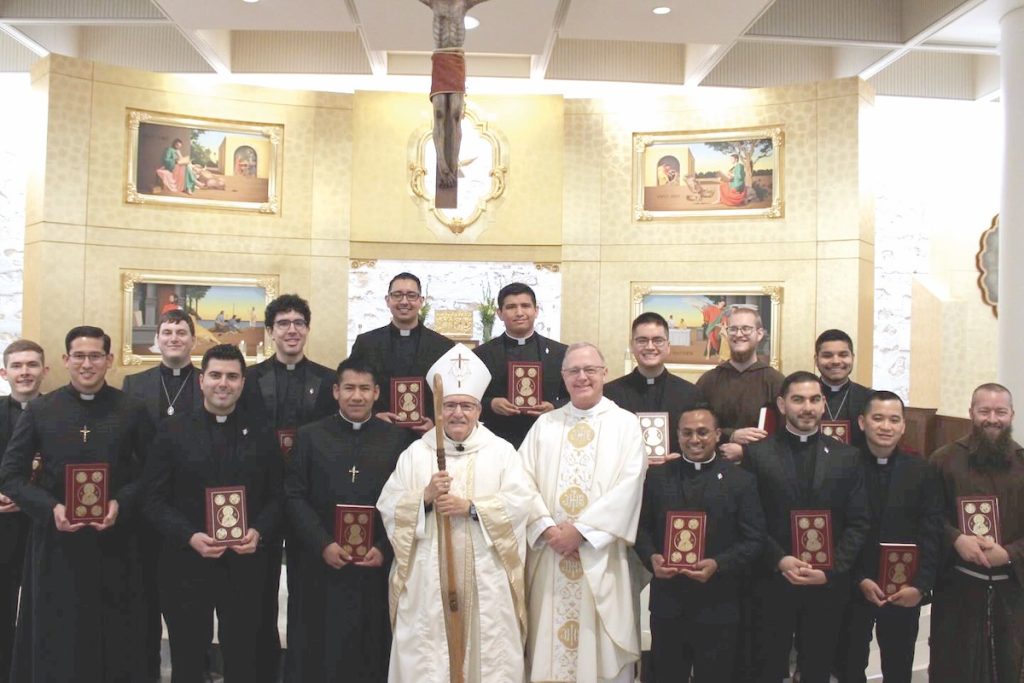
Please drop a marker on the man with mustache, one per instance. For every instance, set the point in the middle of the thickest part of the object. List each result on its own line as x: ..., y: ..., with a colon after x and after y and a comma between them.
x: 485, y: 495
x: 977, y: 629
x: 517, y: 309
x: 24, y: 369
x: 586, y: 465
x: 798, y: 468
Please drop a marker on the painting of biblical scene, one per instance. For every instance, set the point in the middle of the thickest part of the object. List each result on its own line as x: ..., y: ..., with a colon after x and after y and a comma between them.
x: 224, y: 309
x: 708, y: 174
x: 699, y: 315
x: 201, y: 162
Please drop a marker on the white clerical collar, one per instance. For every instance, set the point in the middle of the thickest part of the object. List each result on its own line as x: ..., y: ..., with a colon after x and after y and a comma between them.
x: 835, y: 387
x: 519, y: 340
x: 698, y: 465
x: 803, y: 436
x: 355, y: 425
x: 404, y: 333
x: 882, y: 461
x: 650, y: 380
x: 221, y: 419
x: 176, y: 372
x: 86, y: 397
x: 24, y: 404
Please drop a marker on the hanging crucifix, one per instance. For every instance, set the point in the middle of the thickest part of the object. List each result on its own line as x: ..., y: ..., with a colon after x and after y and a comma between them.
x: 448, y: 93
x: 353, y: 472
x: 84, y: 431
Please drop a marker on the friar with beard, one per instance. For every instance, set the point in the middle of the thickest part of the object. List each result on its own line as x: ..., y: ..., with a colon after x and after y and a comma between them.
x: 977, y: 629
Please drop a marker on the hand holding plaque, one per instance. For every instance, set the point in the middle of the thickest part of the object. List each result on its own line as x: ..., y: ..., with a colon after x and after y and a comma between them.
x: 353, y: 529
x: 897, y: 566
x: 525, y: 384
x: 979, y: 516
x: 407, y: 400
x: 226, y: 521
x: 85, y: 492
x: 684, y: 538
x: 812, y: 537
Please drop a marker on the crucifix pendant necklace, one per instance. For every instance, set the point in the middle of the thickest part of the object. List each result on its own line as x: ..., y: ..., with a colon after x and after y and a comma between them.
x: 835, y: 415
x: 171, y: 401
x: 84, y: 431
x: 353, y: 472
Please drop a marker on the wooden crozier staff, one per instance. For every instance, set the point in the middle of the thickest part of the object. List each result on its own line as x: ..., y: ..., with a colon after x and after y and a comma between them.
x: 452, y: 613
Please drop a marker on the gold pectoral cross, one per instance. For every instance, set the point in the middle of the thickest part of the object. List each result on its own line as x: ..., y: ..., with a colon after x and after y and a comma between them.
x: 353, y: 472
x: 84, y: 431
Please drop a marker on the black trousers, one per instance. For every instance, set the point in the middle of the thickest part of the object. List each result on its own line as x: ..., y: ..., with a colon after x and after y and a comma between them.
x: 149, y: 552
x: 896, y: 630
x: 10, y: 584
x: 268, y: 641
x: 811, y: 613
x: 191, y: 589
x: 679, y: 645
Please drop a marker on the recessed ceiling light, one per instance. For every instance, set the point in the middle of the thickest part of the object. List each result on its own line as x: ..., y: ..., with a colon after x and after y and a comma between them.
x: 470, y: 22
x: 658, y: 10
x: 251, y: 2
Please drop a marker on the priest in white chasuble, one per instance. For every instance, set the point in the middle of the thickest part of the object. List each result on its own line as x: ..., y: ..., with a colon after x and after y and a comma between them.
x: 485, y: 495
x: 587, y: 463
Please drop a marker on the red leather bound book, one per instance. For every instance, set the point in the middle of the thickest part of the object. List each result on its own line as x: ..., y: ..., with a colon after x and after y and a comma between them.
x: 407, y: 400
x: 353, y: 529
x: 85, y: 491
x: 226, y: 521
x: 812, y: 537
x: 684, y: 538
x: 979, y: 516
x: 897, y: 566
x: 525, y: 384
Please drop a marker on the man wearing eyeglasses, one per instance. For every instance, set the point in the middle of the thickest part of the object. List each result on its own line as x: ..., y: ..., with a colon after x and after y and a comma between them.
x: 651, y: 388
x: 402, y: 348
x: 486, y: 496
x: 587, y: 464
x: 738, y: 388
x: 517, y: 309
x: 292, y: 391
x: 80, y: 617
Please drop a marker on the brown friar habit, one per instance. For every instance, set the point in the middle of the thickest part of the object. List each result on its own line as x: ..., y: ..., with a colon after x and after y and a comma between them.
x: 977, y: 629
x: 737, y: 396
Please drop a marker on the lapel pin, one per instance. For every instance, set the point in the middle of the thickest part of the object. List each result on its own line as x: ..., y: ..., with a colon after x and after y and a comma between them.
x: 826, y: 450
x: 311, y: 390
x: 719, y: 475
x: 245, y: 431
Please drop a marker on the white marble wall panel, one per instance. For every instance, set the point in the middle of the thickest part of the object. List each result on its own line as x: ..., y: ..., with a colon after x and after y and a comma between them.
x: 450, y: 285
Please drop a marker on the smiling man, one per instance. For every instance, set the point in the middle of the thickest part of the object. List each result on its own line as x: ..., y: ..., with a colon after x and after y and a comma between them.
x: 798, y: 468
x: 24, y: 369
x: 80, y: 614
x: 978, y: 616
x: 517, y: 310
x: 339, y: 629
x: 650, y: 387
x: 218, y: 445
x: 586, y: 463
x: 844, y: 398
x: 905, y: 502
x: 695, y: 611
x: 486, y: 497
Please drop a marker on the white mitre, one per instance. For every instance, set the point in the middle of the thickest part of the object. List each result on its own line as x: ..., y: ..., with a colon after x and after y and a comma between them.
x: 461, y: 372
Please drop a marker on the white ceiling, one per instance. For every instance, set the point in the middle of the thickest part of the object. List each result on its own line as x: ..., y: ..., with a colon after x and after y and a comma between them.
x: 740, y: 43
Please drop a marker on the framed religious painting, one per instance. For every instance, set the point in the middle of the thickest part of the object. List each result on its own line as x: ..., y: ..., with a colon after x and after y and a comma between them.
x: 698, y: 315
x: 708, y: 174
x: 225, y: 309
x: 176, y: 160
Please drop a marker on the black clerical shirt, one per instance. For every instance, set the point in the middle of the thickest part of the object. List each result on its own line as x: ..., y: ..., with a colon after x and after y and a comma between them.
x: 178, y: 387
x: 290, y: 380
x: 803, y: 450
x: 402, y: 350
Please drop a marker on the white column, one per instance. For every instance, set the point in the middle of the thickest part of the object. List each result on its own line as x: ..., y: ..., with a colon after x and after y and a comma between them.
x: 1011, y: 212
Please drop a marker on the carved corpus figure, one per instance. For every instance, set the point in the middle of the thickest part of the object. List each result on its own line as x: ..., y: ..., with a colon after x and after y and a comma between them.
x: 448, y: 83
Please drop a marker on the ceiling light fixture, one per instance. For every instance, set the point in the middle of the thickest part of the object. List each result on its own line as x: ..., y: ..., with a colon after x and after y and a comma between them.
x: 470, y: 22
x: 661, y: 10
x: 251, y: 2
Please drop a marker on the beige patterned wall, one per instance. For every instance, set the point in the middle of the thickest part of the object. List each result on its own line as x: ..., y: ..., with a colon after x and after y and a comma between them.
x: 80, y: 232
x: 821, y: 252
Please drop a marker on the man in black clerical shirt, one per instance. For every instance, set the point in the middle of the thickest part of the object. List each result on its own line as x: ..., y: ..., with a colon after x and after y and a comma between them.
x: 844, y: 398
x: 905, y: 502
x: 402, y: 348
x: 219, y: 445
x: 290, y: 390
x: 80, y: 616
x: 798, y: 468
x: 170, y: 388
x: 695, y: 611
x: 340, y: 630
x: 517, y: 309
x: 651, y: 388
x: 24, y: 369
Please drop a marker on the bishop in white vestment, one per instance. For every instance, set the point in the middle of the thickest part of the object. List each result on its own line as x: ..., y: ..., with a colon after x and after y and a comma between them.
x: 587, y: 463
x: 486, y: 495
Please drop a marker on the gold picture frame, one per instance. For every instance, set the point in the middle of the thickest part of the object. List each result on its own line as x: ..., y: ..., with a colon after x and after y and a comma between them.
x: 697, y: 315
x: 736, y: 173
x: 147, y: 295
x: 987, y: 263
x: 191, y: 161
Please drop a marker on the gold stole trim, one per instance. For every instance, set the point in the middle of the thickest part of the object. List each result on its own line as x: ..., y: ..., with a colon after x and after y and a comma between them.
x: 499, y: 528
x: 404, y: 544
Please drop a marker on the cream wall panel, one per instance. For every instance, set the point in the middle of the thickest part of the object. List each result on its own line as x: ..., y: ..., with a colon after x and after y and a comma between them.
x: 849, y: 19
x: 56, y: 9
x: 156, y: 48
x: 617, y: 60
x: 67, y: 149
x: 321, y: 52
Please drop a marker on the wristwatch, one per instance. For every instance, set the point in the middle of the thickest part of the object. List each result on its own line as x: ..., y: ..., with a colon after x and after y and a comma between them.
x: 472, y: 512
